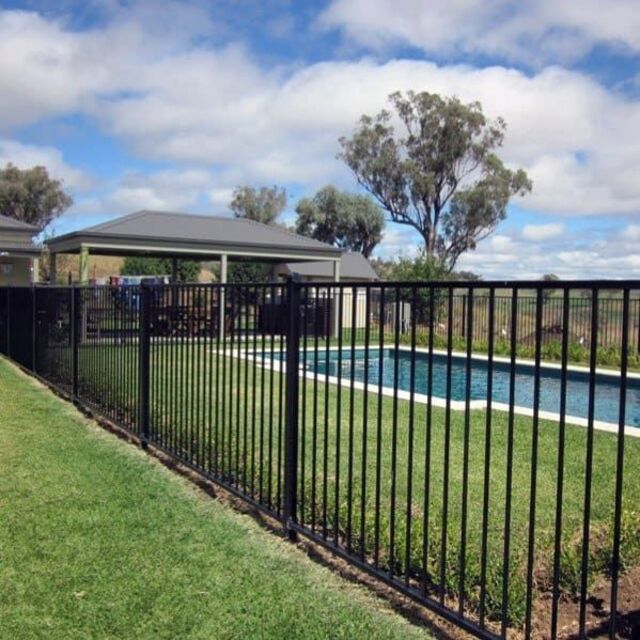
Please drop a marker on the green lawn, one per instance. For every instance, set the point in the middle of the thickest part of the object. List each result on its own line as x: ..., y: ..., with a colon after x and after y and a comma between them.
x: 98, y: 540
x: 212, y: 424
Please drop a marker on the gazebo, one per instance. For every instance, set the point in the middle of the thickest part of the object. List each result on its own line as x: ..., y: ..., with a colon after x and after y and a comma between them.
x: 196, y: 237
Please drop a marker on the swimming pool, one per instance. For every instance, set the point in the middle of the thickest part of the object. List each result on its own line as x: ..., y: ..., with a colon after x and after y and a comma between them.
x: 607, y: 388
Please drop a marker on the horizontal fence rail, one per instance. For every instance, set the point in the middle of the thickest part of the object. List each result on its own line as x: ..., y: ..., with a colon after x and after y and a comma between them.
x: 473, y: 445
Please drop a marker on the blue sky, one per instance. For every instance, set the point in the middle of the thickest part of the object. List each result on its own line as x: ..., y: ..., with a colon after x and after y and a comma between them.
x: 169, y: 105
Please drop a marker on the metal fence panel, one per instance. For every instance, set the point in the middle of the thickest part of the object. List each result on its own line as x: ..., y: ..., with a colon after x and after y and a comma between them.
x: 473, y: 445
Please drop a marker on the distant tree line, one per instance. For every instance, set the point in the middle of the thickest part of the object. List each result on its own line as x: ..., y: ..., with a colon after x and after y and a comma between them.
x: 187, y: 270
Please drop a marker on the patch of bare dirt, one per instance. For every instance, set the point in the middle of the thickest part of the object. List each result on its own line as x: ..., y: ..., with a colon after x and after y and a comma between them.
x: 598, y: 611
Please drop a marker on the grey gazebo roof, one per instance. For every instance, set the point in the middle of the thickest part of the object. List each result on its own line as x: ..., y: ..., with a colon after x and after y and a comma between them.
x: 195, y: 236
x: 353, y: 266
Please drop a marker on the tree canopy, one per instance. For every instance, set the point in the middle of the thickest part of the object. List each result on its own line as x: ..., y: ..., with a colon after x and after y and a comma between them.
x: 248, y: 272
x: 188, y: 270
x: 419, y: 268
x: 422, y: 268
x: 549, y: 293
x: 262, y: 205
x: 442, y: 177
x: 346, y: 220
x: 31, y: 196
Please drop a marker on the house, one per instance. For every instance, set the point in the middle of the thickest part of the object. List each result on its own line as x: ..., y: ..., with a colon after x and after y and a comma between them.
x: 19, y: 255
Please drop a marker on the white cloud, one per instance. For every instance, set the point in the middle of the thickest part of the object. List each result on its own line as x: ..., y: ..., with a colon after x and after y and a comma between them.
x: 398, y: 242
x: 168, y: 190
x: 573, y: 136
x: 632, y: 233
x: 26, y: 156
x: 187, y: 189
x: 221, y: 197
x: 576, y: 253
x: 47, y: 69
x: 531, y: 32
x: 538, y: 232
x: 500, y: 243
x: 579, y: 252
x: 175, y: 99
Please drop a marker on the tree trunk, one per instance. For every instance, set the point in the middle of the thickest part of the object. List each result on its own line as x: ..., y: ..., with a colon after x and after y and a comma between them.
x: 430, y: 241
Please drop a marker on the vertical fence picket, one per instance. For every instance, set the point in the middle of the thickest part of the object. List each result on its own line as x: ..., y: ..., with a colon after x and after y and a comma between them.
x: 144, y: 356
x: 34, y: 331
x: 533, y: 491
x: 560, y: 464
x: 617, y: 518
x: 462, y: 559
x: 9, y: 350
x: 291, y: 414
x: 586, y: 516
x: 73, y: 322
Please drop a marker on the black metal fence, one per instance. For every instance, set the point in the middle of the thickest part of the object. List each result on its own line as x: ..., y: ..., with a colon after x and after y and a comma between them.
x: 610, y: 310
x: 493, y: 478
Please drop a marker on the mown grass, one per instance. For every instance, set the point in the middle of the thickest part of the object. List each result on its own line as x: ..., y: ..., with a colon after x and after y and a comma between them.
x: 237, y: 435
x: 98, y: 540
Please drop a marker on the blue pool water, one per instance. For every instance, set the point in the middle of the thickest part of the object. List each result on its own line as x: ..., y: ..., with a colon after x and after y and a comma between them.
x: 607, y: 389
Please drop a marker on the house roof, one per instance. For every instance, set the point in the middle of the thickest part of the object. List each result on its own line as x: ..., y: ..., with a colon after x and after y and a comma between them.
x: 15, y: 237
x: 19, y: 248
x: 353, y: 266
x: 17, y: 225
x: 180, y: 234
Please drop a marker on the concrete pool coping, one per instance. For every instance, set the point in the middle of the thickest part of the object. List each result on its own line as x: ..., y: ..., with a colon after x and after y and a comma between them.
x: 437, y: 401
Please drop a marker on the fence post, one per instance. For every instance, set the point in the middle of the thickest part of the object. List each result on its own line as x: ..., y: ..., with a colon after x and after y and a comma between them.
x: 638, y: 316
x: 34, y: 322
x: 144, y: 354
x: 464, y: 315
x: 74, y: 340
x: 9, y: 322
x: 291, y: 406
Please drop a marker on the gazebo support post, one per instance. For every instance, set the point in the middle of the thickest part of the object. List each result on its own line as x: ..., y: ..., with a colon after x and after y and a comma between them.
x: 35, y: 266
x: 174, y: 290
x: 53, y: 274
x: 221, y: 295
x: 84, y: 265
x: 336, y: 295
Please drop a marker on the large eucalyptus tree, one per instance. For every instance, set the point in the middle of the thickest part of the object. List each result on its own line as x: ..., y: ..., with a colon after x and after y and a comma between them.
x: 441, y: 174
